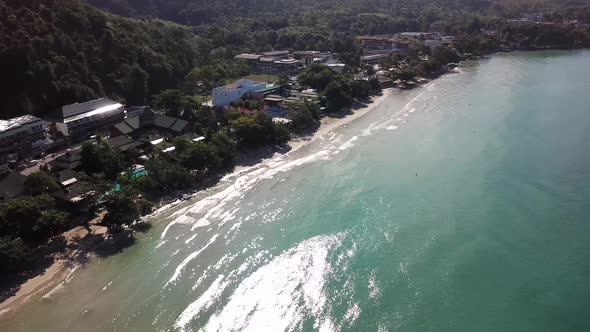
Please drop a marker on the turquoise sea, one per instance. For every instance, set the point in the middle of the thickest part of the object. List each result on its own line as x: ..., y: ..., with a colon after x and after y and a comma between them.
x: 463, y: 205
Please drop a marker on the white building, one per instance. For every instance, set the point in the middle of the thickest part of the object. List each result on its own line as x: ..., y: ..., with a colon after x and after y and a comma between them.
x: 80, y: 120
x: 225, y: 95
x: 22, y: 135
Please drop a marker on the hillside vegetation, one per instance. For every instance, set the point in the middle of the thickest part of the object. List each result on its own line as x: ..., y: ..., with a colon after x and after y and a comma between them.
x: 61, y: 51
x: 56, y: 52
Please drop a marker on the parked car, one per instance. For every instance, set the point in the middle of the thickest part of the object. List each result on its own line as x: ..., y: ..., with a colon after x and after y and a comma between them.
x: 32, y: 163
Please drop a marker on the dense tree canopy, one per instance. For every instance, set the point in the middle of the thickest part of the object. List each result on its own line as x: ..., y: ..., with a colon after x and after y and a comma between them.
x: 59, y: 51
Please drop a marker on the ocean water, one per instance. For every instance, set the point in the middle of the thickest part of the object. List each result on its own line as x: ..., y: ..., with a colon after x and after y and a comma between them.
x: 463, y: 205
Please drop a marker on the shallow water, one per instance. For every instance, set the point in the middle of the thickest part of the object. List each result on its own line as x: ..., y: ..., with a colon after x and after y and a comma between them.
x: 463, y: 205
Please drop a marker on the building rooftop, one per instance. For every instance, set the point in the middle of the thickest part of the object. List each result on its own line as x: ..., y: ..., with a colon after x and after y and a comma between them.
x: 268, y: 59
x: 274, y: 53
x: 287, y: 61
x: 306, y: 52
x: 78, y: 111
x: 374, y: 56
x: 247, y: 56
x: 17, y: 122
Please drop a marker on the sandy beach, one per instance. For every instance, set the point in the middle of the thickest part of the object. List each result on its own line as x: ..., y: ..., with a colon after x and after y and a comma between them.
x: 58, y: 274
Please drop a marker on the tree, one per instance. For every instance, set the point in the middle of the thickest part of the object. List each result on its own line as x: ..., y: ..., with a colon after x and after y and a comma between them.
x: 338, y: 95
x: 202, y: 156
x: 374, y: 85
x: 359, y: 89
x: 40, y: 183
x: 136, y: 91
x: 33, y: 219
x: 101, y: 158
x: 302, y: 116
x: 226, y: 147
x: 317, y: 77
x: 123, y: 208
x: 170, y: 101
x: 406, y: 74
x: 15, y: 256
x: 165, y: 175
x: 257, y: 129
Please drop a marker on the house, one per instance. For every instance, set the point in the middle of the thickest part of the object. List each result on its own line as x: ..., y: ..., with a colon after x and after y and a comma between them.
x: 72, y: 191
x: 12, y: 185
x: 69, y: 160
x: 225, y: 95
x: 385, y: 81
x: 24, y: 135
x: 123, y: 143
x: 149, y: 119
x: 128, y: 126
x: 81, y: 120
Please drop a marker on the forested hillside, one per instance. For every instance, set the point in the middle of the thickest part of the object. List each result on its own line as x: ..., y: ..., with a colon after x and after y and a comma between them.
x: 412, y: 13
x: 60, y: 51
x: 56, y: 52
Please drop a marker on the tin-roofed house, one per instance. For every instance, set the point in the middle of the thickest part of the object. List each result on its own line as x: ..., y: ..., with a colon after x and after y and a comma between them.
x: 81, y: 120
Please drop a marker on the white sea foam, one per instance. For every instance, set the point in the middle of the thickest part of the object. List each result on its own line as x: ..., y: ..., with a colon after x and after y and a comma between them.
x: 374, y: 290
x: 207, y: 299
x: 190, y: 239
x: 392, y: 127
x: 279, y: 295
x: 352, y: 314
x: 188, y: 259
x: 348, y: 144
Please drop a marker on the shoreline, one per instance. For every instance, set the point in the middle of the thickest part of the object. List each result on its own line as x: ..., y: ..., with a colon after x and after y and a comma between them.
x: 57, y: 275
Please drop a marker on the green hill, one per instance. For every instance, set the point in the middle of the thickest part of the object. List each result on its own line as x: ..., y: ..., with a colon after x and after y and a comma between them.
x: 61, y: 51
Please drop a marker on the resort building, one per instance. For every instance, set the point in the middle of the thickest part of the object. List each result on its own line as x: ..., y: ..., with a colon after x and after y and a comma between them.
x: 311, y: 57
x: 81, y: 120
x: 276, y: 54
x: 374, y: 59
x: 418, y: 35
x: 383, y: 45
x: 23, y: 135
x: 225, y: 95
x: 274, y: 62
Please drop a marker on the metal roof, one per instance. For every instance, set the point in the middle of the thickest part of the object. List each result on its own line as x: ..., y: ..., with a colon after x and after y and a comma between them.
x: 17, y: 122
x: 124, y: 128
x: 179, y: 125
x: 69, y: 182
x: 247, y: 56
x: 81, y: 110
x: 133, y: 122
x: 275, y: 53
